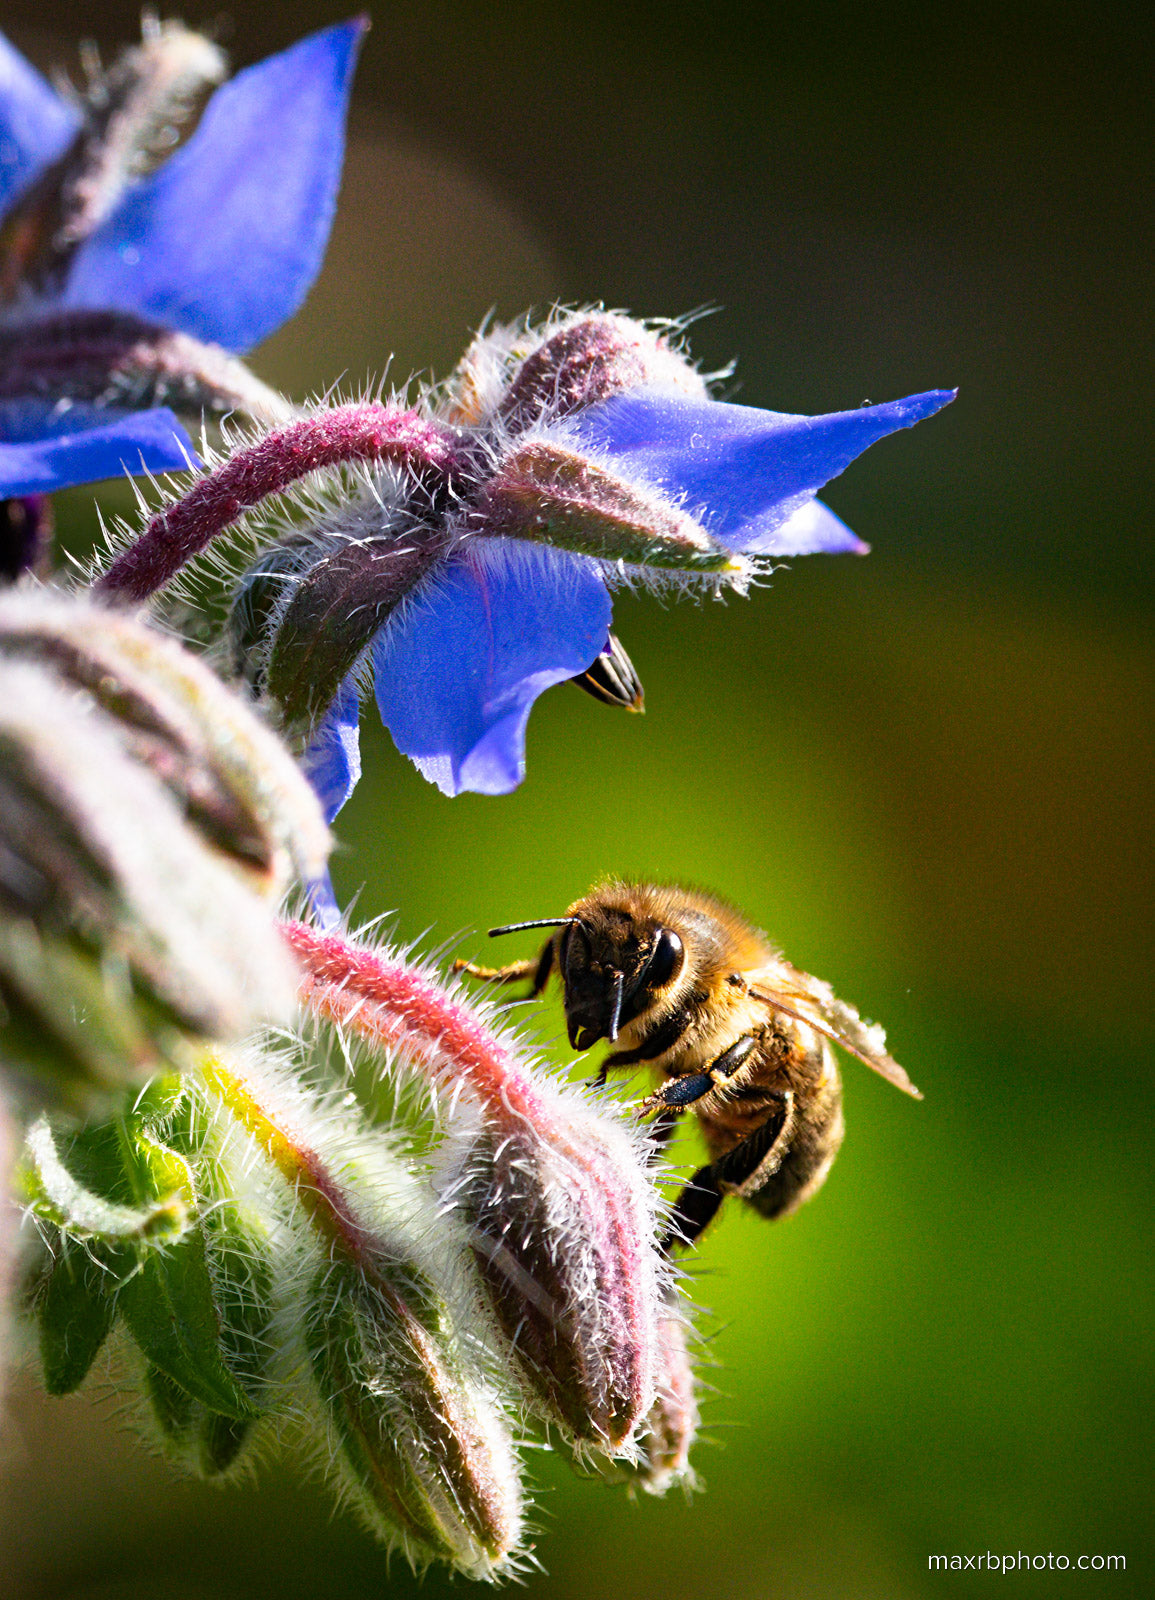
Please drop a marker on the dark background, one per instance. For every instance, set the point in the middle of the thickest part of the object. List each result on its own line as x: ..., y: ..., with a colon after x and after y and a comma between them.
x: 927, y: 774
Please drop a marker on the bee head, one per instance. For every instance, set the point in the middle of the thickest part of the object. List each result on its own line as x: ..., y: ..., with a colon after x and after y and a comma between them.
x: 613, y: 965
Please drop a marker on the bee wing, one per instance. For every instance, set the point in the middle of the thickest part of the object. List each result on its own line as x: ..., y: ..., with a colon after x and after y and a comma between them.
x: 811, y: 1001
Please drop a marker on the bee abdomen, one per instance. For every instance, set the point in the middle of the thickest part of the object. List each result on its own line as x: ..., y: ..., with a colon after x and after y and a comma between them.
x: 814, y: 1142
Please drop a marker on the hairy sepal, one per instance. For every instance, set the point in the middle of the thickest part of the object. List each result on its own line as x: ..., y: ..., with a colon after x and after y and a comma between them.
x: 549, y: 492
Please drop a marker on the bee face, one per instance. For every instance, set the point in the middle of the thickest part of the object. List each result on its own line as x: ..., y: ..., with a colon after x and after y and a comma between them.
x: 613, y: 967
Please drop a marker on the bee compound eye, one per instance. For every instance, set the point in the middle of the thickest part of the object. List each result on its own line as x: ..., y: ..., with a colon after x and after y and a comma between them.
x: 665, y: 959
x: 574, y: 951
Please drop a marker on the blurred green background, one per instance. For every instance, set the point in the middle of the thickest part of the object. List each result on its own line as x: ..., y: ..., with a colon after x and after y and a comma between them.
x: 927, y: 774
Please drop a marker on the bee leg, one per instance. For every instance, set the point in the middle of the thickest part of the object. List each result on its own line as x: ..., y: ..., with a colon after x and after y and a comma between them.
x: 698, y: 1203
x: 760, y: 1153
x: 678, y: 1092
x: 692, y: 1086
x: 538, y: 970
x: 694, y: 1209
x: 730, y: 1060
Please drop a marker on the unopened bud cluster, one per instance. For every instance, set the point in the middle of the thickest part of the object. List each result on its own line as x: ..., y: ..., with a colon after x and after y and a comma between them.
x: 149, y: 825
x: 398, y: 1294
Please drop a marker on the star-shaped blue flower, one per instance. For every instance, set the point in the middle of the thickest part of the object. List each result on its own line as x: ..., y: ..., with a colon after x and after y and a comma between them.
x: 458, y: 664
x: 220, y: 242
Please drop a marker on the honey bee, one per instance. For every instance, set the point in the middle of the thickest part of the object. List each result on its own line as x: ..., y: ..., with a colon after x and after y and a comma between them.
x: 680, y: 981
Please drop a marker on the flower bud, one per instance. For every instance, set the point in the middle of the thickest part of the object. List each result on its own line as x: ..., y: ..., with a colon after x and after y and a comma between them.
x: 522, y: 375
x: 231, y: 776
x: 146, y: 818
x: 561, y: 1222
x: 129, y: 113
x: 336, y: 607
x: 413, y: 1431
x: 672, y: 1425
x: 200, y: 1440
x: 558, y: 1199
x: 115, y: 360
x: 430, y: 1464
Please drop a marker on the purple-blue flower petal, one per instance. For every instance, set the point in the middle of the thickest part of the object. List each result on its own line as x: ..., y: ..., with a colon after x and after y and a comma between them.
x: 323, y: 902
x: 742, y: 470
x: 82, y: 445
x: 332, y: 762
x: 458, y: 671
x: 225, y: 239
x: 812, y: 530
x: 36, y: 125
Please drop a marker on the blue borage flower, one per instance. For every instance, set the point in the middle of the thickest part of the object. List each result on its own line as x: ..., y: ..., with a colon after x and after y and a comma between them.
x: 595, y: 434
x: 107, y: 242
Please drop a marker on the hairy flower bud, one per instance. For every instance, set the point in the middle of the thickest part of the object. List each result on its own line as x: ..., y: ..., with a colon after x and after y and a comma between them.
x: 115, y: 360
x: 522, y: 374
x: 130, y: 114
x: 146, y: 819
x: 415, y: 1433
x: 233, y: 778
x: 672, y: 1425
x: 335, y: 609
x: 558, y: 1199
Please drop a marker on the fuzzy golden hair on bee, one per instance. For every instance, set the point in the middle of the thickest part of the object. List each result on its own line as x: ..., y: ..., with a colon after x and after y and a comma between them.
x: 680, y: 982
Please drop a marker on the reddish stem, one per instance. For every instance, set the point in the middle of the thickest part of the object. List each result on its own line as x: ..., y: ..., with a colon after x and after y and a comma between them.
x: 362, y: 432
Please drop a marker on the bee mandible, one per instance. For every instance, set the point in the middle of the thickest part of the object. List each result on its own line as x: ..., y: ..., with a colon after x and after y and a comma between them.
x: 680, y: 981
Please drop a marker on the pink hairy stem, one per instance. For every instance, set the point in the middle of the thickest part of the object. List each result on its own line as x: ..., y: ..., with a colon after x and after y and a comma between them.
x: 361, y: 432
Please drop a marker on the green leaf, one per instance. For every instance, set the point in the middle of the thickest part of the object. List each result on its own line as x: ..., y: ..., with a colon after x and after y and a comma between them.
x: 170, y: 1310
x: 220, y: 1440
x: 174, y: 1410
x: 53, y: 1193
x: 76, y: 1312
x: 201, y: 1440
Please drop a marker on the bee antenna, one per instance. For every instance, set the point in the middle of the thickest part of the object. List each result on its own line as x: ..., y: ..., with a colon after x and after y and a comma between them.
x: 619, y: 984
x: 542, y: 922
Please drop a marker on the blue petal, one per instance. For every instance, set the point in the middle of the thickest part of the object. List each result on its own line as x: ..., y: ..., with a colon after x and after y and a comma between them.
x: 458, y: 671
x: 332, y: 762
x: 745, y: 472
x: 36, y: 125
x: 813, y: 529
x: 323, y: 902
x: 224, y: 241
x: 71, y: 449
